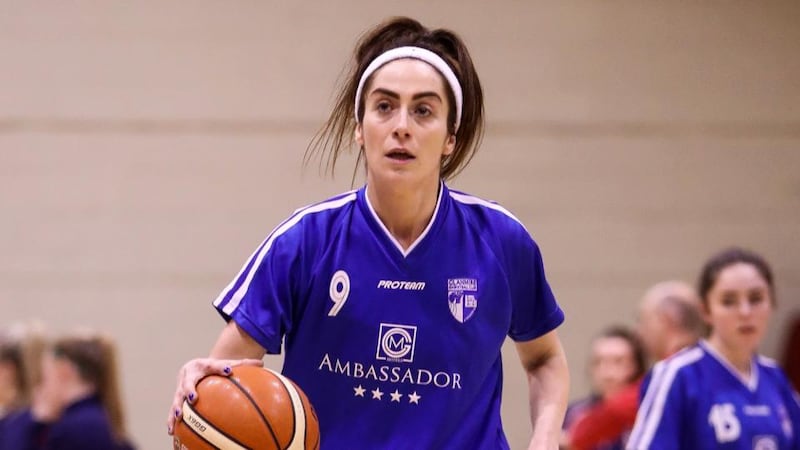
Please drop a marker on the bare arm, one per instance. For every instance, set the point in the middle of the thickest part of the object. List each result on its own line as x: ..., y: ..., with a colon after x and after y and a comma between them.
x: 548, y: 382
x: 234, y: 347
x: 235, y: 343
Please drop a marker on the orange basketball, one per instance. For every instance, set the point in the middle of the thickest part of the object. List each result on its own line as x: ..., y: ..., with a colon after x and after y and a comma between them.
x: 254, y: 408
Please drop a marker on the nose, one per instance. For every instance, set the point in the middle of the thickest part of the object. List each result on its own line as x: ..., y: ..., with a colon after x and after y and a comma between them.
x: 401, y: 124
x: 745, y: 308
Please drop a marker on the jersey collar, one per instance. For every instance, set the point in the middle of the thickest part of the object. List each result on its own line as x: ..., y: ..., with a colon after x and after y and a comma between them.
x: 406, y: 252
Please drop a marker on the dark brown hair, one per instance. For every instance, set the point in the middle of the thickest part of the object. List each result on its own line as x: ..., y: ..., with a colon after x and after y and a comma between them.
x: 337, y: 132
x: 637, y: 349
x: 728, y: 257
x: 21, y: 347
x: 95, y: 357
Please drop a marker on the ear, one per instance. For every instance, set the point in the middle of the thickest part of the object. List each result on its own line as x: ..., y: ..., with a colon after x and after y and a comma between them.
x: 705, y: 313
x: 358, y: 135
x: 449, y: 144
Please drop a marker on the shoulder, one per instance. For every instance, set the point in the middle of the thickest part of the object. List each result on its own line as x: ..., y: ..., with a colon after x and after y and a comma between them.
x: 674, y: 370
x: 320, y: 213
x: 316, y: 219
x: 86, y: 414
x: 482, y: 209
x: 773, y: 371
x: 769, y: 365
x: 491, y: 218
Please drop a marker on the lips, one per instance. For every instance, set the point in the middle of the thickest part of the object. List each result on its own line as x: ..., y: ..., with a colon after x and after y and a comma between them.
x: 747, y: 329
x: 400, y: 155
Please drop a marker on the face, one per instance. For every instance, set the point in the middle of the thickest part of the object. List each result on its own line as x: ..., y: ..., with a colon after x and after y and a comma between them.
x: 738, y: 307
x: 651, y: 327
x: 612, y: 364
x: 404, y: 129
x: 8, y: 376
x: 55, y: 372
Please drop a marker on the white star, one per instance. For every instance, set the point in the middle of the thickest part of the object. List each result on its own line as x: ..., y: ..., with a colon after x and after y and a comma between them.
x: 359, y: 391
x: 376, y: 393
x: 414, y: 398
x: 396, y: 395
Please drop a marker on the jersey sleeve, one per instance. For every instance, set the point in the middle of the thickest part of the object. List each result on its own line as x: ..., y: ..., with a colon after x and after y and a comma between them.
x: 534, y: 308
x: 658, y: 421
x: 791, y: 423
x: 260, y: 297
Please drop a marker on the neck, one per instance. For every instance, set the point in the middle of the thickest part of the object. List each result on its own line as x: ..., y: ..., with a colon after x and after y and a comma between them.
x: 404, y: 212
x: 677, y: 341
x: 739, y: 358
x: 77, y: 391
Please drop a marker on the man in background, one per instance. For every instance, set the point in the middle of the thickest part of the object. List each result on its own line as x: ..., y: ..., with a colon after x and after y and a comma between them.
x: 669, y: 319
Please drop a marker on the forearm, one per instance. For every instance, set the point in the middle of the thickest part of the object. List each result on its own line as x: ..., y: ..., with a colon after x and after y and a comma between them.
x: 235, y: 343
x: 548, y: 383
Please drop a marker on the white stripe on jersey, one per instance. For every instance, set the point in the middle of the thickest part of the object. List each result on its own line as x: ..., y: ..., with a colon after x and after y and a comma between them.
x: 649, y: 415
x: 768, y: 362
x: 237, y: 297
x: 647, y: 402
x: 471, y: 200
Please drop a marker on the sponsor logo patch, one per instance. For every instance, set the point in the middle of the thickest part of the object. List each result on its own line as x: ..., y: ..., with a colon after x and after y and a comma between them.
x: 462, y: 297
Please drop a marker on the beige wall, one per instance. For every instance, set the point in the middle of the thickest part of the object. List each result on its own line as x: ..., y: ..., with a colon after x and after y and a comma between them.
x: 145, y: 149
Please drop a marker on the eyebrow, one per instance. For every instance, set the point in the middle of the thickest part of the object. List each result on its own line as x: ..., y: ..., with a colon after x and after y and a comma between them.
x: 395, y: 95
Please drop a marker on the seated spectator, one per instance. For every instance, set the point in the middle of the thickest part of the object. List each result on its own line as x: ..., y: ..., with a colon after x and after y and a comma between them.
x: 21, y: 346
x: 78, y: 404
x: 617, y: 361
x: 669, y: 319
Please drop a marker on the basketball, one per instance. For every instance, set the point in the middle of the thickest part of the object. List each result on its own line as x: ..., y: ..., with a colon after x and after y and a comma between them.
x: 253, y: 408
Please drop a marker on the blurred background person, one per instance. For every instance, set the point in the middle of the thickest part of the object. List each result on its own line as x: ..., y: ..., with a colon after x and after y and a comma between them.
x: 78, y: 404
x: 721, y: 393
x: 669, y: 319
x: 791, y: 352
x: 617, y: 361
x: 21, y: 346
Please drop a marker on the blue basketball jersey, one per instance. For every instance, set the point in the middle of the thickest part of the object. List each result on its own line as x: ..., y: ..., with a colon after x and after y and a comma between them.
x: 696, y: 400
x: 396, y: 349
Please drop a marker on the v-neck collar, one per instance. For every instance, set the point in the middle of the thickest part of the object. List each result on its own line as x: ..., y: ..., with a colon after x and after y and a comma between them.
x: 391, y: 238
x: 751, y: 384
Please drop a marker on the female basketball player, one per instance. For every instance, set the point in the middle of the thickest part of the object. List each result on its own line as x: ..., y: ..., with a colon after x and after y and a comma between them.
x: 21, y: 346
x: 393, y: 300
x: 78, y: 404
x: 721, y: 393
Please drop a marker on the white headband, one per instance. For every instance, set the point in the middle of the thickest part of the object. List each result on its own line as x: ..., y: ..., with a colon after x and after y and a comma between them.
x: 417, y: 53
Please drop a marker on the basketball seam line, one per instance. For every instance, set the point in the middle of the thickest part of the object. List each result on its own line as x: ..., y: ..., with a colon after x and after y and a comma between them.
x: 294, y: 418
x: 260, y: 413
x: 191, y: 428
x: 305, y: 413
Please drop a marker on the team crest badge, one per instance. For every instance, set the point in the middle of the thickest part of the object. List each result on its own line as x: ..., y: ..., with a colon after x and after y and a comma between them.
x: 462, y: 297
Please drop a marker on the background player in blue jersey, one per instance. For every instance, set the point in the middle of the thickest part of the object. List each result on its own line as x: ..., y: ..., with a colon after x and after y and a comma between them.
x: 393, y: 301
x: 77, y: 405
x: 721, y: 393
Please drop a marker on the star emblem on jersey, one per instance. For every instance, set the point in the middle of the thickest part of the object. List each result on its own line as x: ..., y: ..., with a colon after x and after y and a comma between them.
x: 462, y: 297
x: 396, y: 396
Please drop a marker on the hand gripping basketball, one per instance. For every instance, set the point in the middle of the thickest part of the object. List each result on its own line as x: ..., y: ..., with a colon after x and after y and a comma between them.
x: 191, y: 373
x: 252, y: 408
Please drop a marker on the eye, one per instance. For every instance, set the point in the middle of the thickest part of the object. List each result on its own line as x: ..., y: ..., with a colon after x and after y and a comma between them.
x: 756, y: 298
x: 423, y: 110
x: 728, y: 300
x: 383, y: 106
